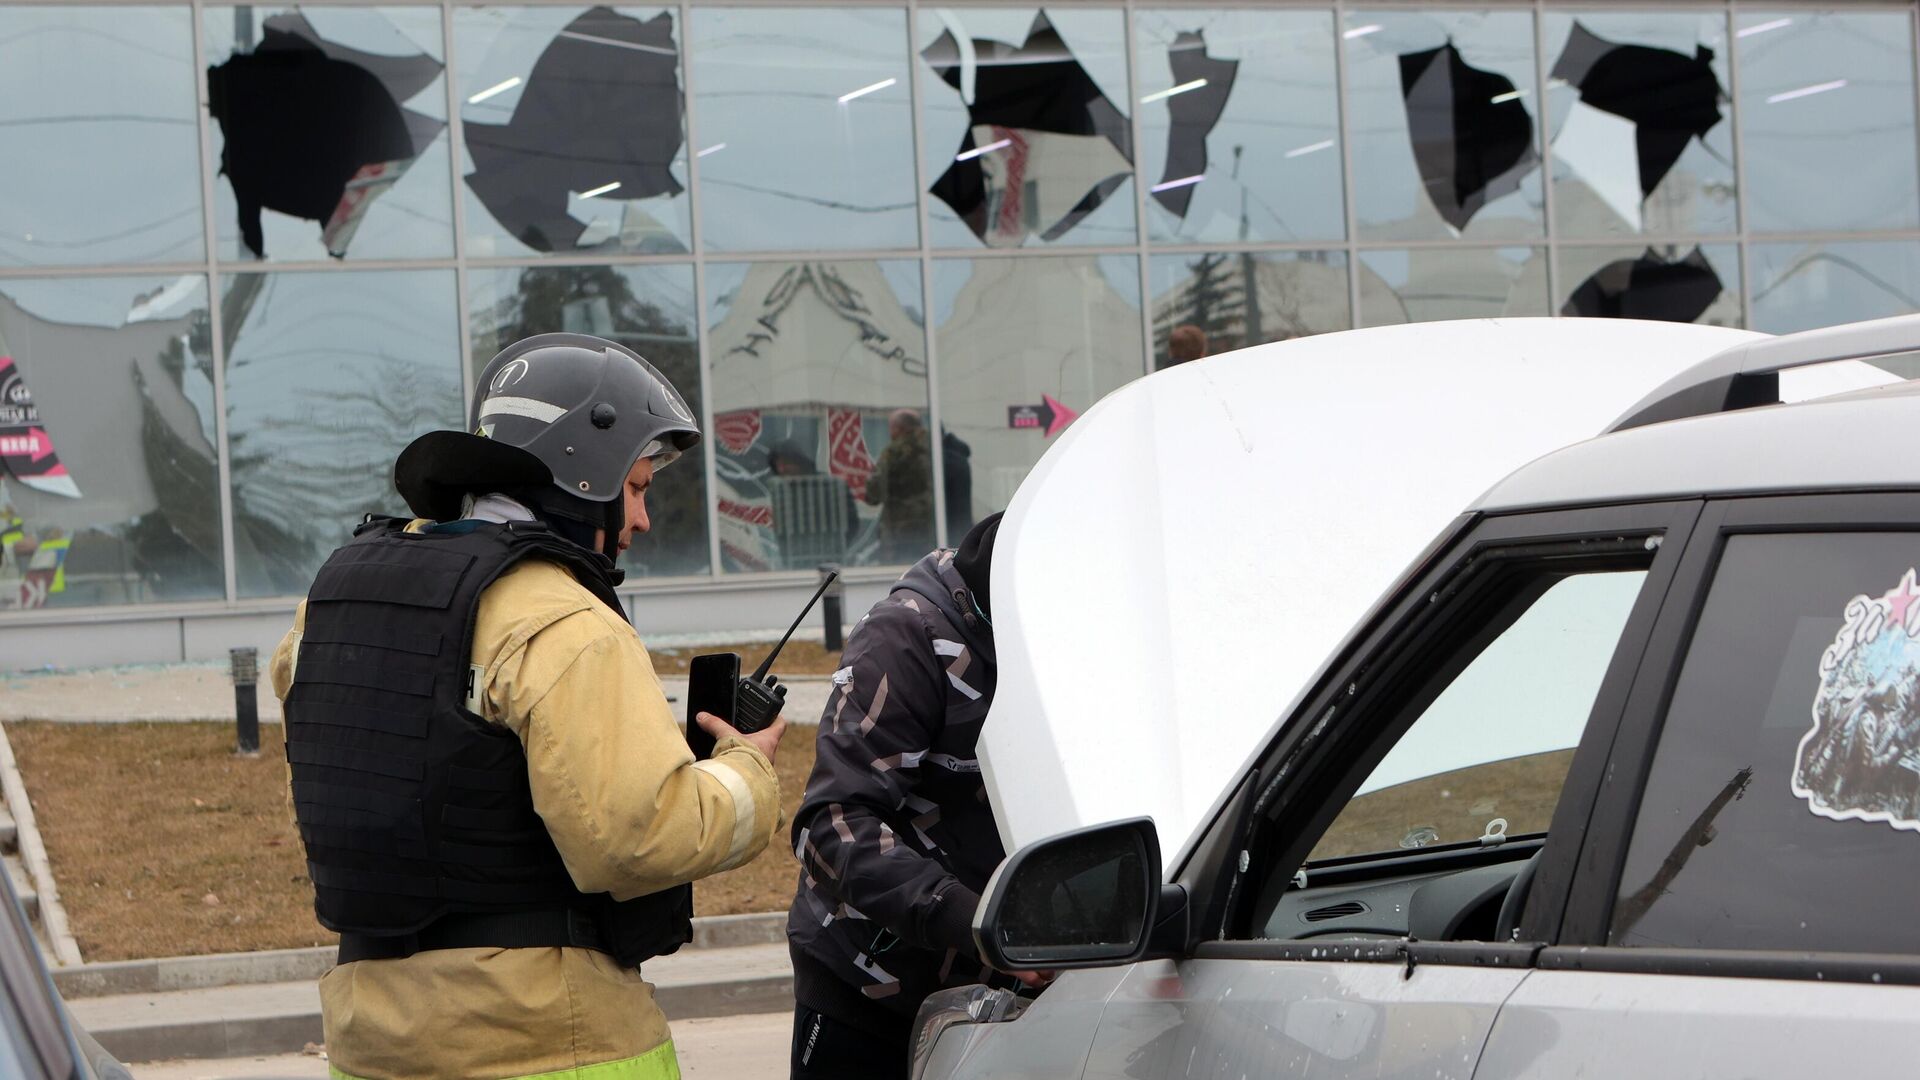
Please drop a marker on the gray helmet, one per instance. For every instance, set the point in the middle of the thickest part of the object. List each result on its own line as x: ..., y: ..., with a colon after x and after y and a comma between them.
x: 588, y: 408
x: 559, y: 419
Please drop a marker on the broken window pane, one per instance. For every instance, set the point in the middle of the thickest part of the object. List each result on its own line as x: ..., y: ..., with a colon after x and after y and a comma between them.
x: 94, y: 98
x: 1424, y: 284
x: 329, y: 376
x: 109, y: 483
x: 650, y: 310
x: 1698, y: 283
x: 1219, y: 301
x: 1239, y: 125
x: 1641, y: 121
x: 805, y: 122
x: 1824, y: 99
x: 1442, y: 108
x: 820, y: 429
x: 574, y: 130
x: 1803, y: 286
x: 328, y: 132
x: 1025, y: 126
x: 1027, y: 344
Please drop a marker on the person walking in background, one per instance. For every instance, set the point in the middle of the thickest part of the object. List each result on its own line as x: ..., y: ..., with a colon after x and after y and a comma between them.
x: 956, y: 467
x: 1186, y: 342
x: 902, y: 487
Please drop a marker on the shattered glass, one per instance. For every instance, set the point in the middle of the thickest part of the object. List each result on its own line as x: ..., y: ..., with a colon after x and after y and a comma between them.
x: 649, y: 309
x: 1698, y: 283
x: 88, y: 96
x: 1239, y: 125
x: 109, y: 477
x: 805, y: 123
x: 1443, y: 109
x: 1641, y: 122
x: 1217, y: 301
x: 1026, y: 129
x: 328, y: 128
x: 338, y: 372
x: 822, y: 453
x: 574, y: 130
x: 1425, y: 284
x: 1824, y: 99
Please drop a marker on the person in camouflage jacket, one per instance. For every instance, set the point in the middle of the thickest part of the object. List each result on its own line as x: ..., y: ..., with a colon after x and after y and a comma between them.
x: 894, y: 833
x: 902, y: 487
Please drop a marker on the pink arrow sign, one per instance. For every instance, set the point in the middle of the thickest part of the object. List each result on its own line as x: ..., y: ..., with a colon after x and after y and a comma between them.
x: 1060, y: 416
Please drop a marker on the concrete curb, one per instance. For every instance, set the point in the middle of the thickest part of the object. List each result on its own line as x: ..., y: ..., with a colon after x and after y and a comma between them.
x: 169, y: 973
x: 33, y: 853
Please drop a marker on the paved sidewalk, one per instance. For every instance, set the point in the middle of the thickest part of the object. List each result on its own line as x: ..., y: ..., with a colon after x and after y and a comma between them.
x: 750, y: 1047
x: 168, y: 692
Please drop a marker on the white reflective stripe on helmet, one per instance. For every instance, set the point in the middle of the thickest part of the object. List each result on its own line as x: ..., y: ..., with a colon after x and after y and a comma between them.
x: 532, y: 408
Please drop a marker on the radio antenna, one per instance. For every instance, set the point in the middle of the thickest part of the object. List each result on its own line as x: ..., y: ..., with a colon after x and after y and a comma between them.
x: 760, y: 673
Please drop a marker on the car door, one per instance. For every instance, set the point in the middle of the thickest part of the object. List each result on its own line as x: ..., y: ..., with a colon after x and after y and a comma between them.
x: 1745, y: 904
x: 1448, y: 760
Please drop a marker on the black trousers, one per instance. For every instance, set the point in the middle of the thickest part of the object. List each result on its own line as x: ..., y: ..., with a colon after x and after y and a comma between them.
x: 827, y: 1049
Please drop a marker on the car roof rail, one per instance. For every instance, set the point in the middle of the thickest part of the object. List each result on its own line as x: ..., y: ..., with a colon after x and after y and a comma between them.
x: 1749, y: 373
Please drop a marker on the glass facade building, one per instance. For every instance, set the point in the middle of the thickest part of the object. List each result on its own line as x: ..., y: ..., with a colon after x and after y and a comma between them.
x: 887, y: 251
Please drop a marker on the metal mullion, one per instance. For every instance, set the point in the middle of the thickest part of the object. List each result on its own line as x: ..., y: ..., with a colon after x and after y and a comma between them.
x: 1550, y: 230
x: 102, y: 270
x: 698, y: 243
x: 456, y: 142
x: 1347, y: 188
x: 1740, y: 220
x: 1130, y: 37
x: 936, y: 416
x: 216, y: 332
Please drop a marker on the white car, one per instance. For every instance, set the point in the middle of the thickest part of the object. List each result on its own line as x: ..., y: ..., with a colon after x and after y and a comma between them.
x: 1611, y: 770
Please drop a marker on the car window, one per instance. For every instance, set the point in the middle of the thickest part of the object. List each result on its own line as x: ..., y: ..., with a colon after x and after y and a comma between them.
x: 1782, y: 806
x: 1490, y: 753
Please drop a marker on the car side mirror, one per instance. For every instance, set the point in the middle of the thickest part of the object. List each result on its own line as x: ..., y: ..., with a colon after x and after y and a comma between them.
x: 1087, y: 898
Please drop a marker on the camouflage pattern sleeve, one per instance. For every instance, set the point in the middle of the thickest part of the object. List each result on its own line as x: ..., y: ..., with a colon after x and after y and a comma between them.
x: 855, y: 833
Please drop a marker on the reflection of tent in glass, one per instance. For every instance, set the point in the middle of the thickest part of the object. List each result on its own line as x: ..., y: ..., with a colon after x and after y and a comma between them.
x: 600, y: 111
x: 1649, y: 287
x: 1637, y: 104
x: 1044, y: 146
x: 1472, y: 138
x: 807, y: 364
x: 1191, y: 115
x: 316, y: 129
x: 1019, y: 329
x: 132, y: 406
x: 1290, y: 298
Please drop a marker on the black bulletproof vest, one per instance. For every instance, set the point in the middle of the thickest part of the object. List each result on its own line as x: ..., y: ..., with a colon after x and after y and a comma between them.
x: 411, y: 807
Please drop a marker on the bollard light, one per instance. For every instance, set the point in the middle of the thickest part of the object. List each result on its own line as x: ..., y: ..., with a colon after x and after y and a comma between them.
x: 245, y: 664
x: 830, y: 607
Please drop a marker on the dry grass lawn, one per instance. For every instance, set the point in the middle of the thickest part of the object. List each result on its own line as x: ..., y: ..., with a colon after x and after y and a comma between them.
x: 798, y: 658
x: 164, y: 843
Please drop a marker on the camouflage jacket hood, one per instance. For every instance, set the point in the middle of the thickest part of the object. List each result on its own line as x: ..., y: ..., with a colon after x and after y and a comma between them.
x: 894, y: 834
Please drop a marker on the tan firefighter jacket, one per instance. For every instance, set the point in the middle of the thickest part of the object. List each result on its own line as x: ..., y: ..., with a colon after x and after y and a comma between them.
x: 631, y: 813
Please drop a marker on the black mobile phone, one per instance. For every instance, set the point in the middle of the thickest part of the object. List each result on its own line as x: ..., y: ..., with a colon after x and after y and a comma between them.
x: 713, y: 679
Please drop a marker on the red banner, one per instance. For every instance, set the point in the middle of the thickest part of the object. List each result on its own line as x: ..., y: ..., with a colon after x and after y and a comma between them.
x: 848, y: 458
x: 738, y: 431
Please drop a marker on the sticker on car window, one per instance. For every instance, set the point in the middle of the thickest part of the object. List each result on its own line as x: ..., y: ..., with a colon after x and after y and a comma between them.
x: 1861, y: 760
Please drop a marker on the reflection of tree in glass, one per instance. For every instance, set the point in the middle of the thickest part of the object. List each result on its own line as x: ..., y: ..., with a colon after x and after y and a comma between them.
x: 601, y: 300
x: 1241, y: 300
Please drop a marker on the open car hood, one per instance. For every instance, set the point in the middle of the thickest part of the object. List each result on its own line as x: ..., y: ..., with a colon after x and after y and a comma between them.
x: 1175, y: 571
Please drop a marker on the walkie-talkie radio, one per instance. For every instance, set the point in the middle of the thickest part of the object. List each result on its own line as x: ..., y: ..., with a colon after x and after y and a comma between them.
x: 714, y: 686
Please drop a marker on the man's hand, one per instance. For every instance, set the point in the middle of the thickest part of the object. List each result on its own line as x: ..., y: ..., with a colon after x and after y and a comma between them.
x: 766, y: 740
x: 1034, y: 980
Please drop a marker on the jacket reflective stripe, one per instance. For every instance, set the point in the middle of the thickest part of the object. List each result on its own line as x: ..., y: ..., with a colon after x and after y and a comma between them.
x: 659, y: 1063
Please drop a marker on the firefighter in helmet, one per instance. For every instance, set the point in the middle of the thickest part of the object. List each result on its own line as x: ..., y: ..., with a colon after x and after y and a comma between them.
x: 501, y: 816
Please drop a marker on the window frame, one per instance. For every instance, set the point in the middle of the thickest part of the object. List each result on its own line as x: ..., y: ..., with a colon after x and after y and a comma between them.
x: 1582, y: 933
x: 1394, y: 627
